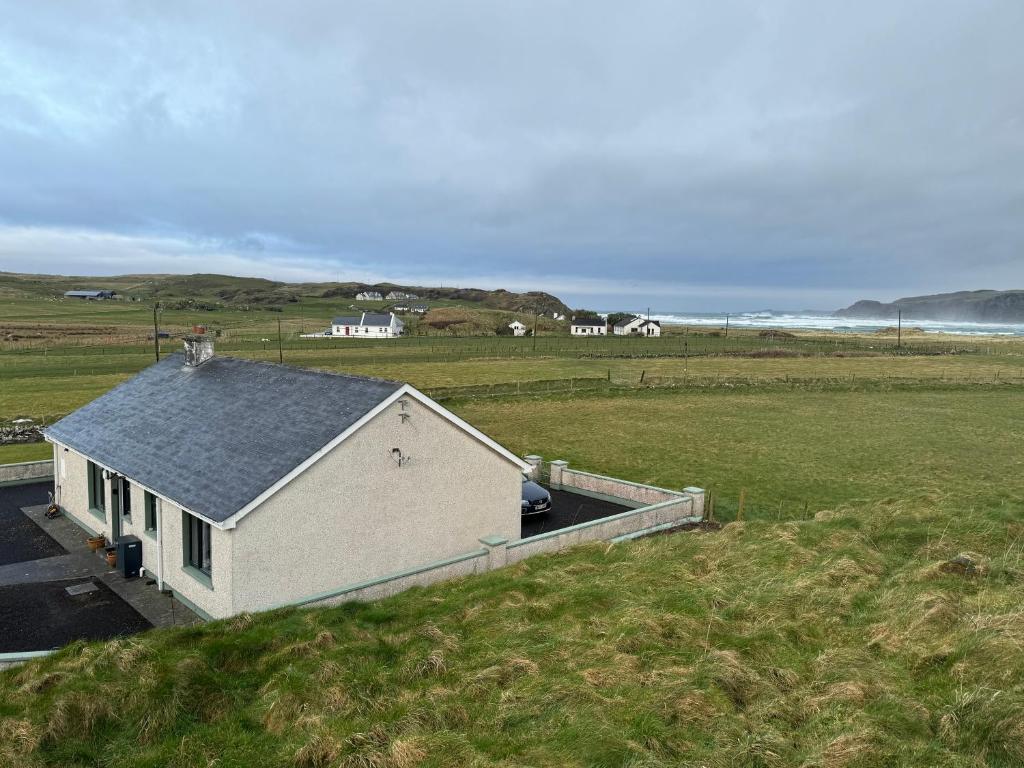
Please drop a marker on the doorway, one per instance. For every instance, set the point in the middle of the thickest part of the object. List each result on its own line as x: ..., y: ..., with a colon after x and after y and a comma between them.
x: 121, y: 503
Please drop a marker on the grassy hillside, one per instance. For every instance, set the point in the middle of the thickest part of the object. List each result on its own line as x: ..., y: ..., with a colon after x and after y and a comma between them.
x: 228, y: 291
x: 835, y: 636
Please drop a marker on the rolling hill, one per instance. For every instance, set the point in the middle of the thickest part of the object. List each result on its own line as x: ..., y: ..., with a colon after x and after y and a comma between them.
x: 963, y: 306
x: 234, y: 291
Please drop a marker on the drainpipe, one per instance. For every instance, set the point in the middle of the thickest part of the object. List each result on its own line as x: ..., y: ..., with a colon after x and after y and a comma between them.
x: 160, y: 544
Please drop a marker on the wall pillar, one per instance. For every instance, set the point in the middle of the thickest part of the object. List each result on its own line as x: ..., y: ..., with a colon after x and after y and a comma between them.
x: 556, y: 473
x: 534, y: 471
x: 497, y: 551
x: 698, y: 499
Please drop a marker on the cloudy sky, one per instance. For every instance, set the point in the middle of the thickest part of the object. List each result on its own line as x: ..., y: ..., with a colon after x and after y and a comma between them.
x: 683, y: 155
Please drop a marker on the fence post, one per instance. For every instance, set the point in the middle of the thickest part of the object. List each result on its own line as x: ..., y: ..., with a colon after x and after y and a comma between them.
x: 534, y: 471
x: 556, y: 473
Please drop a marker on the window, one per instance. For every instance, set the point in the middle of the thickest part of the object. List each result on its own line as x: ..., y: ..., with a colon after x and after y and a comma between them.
x: 197, y: 544
x: 97, y: 491
x: 150, y: 503
x: 126, y: 499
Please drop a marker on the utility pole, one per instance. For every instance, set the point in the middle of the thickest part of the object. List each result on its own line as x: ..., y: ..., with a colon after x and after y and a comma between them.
x: 536, y: 317
x: 156, y: 331
x: 899, y: 328
x: 727, y: 325
x: 686, y: 351
x: 280, y: 348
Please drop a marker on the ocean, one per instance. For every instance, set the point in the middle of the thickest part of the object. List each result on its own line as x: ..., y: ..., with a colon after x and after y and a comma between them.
x: 825, y: 322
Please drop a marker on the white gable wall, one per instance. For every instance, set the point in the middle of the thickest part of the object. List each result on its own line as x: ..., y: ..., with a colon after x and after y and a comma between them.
x: 356, y: 515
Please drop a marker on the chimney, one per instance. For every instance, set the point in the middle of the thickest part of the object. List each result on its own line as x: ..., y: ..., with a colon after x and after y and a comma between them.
x: 198, y: 346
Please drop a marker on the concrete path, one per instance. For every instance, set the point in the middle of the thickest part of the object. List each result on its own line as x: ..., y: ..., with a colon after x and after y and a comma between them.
x: 158, y: 608
x: 72, y: 566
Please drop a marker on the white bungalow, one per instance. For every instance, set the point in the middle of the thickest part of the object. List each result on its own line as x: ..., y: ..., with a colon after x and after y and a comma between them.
x: 589, y: 327
x: 369, y: 296
x: 369, y: 325
x: 518, y: 329
x: 637, y: 326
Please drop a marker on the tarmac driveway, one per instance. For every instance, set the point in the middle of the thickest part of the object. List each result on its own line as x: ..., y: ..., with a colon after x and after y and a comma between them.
x: 20, y: 538
x: 568, y: 509
x: 37, y: 612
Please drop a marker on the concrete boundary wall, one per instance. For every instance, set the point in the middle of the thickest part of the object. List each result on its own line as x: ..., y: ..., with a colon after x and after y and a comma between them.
x: 26, y: 472
x: 429, y: 573
x: 17, y: 658
x: 673, y: 511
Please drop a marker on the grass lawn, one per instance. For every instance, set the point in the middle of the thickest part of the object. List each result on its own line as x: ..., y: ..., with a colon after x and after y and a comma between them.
x: 12, y: 454
x: 790, y: 449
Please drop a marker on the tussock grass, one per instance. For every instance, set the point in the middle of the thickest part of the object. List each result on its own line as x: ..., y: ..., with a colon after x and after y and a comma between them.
x: 829, y: 642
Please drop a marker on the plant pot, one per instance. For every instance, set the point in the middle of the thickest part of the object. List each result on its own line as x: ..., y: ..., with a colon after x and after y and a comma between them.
x: 96, y: 542
x: 112, y: 558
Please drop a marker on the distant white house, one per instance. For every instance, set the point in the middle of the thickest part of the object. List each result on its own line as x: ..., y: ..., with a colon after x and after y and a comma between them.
x: 637, y: 326
x: 420, y: 309
x: 518, y: 329
x: 369, y: 296
x: 557, y: 316
x: 395, y: 295
x: 369, y: 325
x: 588, y: 327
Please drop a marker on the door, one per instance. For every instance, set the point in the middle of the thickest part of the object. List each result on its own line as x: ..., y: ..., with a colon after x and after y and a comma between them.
x: 121, y: 496
x: 115, y: 509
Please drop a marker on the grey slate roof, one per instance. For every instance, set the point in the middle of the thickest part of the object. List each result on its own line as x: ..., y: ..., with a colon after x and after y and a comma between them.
x: 589, y: 322
x: 626, y: 321
x: 214, y: 437
x: 367, y: 318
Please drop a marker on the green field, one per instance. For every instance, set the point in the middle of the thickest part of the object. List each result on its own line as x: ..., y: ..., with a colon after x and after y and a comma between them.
x: 820, y: 630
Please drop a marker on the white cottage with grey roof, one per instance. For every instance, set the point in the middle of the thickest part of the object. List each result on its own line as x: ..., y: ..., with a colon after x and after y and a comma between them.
x: 368, y: 325
x: 253, y: 485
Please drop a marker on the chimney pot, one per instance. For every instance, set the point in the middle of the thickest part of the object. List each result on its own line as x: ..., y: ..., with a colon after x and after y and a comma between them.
x: 198, y: 349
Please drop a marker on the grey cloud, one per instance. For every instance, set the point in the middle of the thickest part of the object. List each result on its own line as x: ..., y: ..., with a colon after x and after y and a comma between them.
x: 810, y: 153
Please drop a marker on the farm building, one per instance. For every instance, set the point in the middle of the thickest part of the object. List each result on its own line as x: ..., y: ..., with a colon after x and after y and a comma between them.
x: 518, y: 329
x: 368, y: 325
x: 369, y: 296
x: 420, y: 309
x: 637, y: 326
x: 90, y: 295
x: 252, y: 485
x: 589, y: 327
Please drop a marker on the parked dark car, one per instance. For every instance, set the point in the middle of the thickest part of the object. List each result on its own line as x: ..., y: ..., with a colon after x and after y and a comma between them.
x: 536, y: 500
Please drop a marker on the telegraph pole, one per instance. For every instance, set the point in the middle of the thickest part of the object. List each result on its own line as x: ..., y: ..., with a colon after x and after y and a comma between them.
x: 280, y: 348
x: 727, y: 325
x: 899, y: 328
x: 156, y: 331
